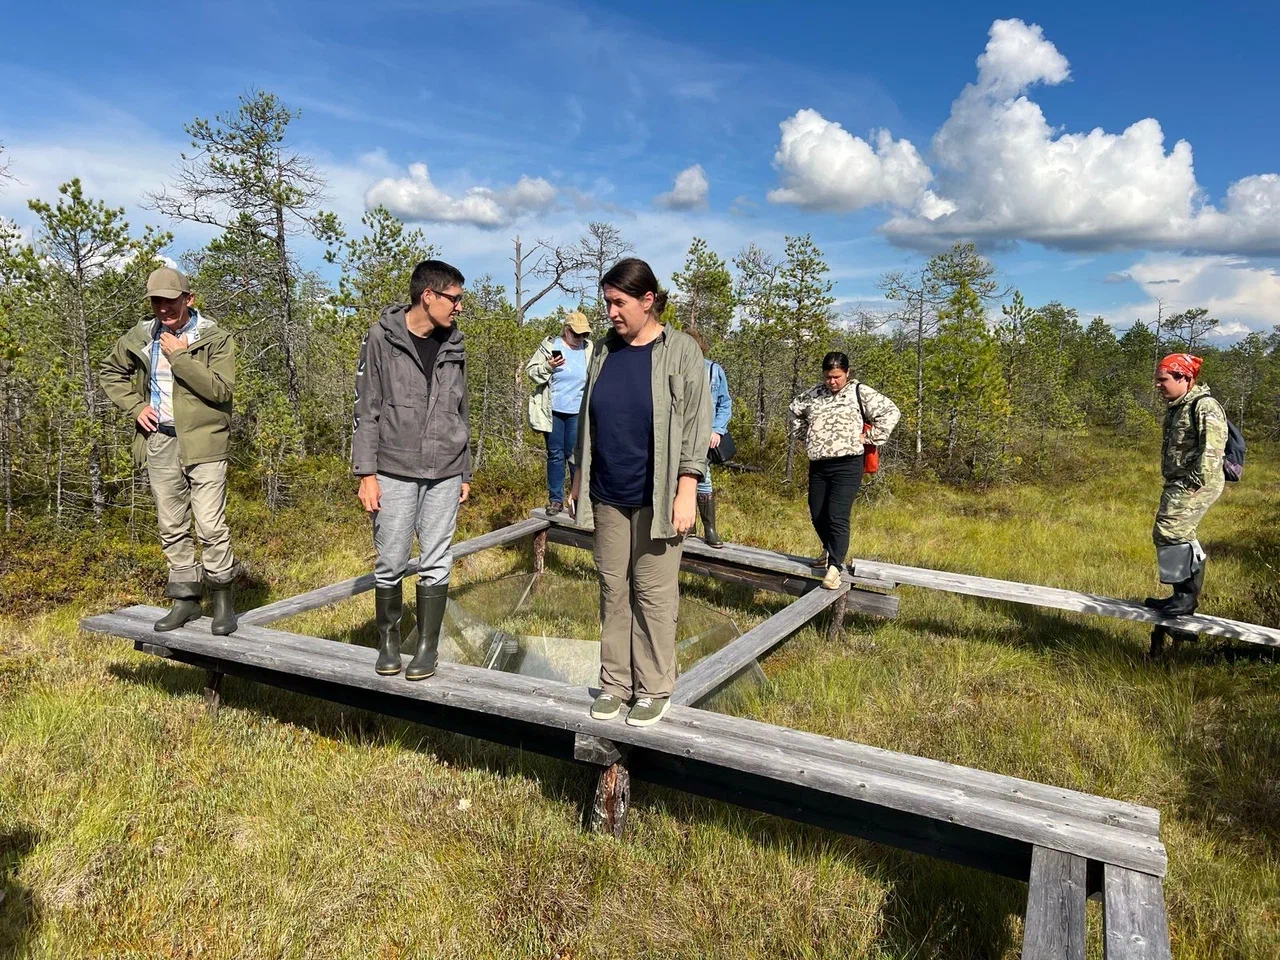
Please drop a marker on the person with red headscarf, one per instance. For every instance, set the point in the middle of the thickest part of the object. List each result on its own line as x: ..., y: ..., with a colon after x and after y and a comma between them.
x: 1195, y: 438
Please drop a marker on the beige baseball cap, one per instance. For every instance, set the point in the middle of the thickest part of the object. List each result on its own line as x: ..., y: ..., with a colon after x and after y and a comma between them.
x: 168, y: 283
x: 578, y: 322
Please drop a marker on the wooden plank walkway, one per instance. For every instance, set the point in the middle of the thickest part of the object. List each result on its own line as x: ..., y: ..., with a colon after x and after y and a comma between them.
x: 980, y: 819
x: 1053, y: 597
x: 323, y: 596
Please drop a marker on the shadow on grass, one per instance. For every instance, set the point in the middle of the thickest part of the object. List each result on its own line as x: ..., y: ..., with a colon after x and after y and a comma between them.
x: 953, y: 910
x: 19, y: 913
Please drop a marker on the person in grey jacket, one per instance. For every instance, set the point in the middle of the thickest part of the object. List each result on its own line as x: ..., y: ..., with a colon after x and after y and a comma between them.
x: 411, y: 451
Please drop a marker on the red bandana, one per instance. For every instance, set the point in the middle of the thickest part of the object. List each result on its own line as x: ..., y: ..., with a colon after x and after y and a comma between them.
x: 1183, y: 363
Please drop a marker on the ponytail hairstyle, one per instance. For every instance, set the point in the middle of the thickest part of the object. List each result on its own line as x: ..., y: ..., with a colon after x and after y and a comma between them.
x: 635, y: 278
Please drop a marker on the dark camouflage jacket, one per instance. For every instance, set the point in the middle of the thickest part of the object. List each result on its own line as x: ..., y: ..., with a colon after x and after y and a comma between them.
x: 1192, y: 452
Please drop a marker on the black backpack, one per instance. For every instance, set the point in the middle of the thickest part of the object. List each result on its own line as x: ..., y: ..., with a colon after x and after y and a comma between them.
x: 1233, y: 456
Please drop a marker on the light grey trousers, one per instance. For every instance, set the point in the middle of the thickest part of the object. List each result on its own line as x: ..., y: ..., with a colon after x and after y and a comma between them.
x: 406, y: 506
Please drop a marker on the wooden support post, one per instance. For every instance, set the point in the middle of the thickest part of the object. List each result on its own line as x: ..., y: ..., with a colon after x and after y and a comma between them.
x: 540, y: 551
x: 1055, y: 926
x: 608, y: 811
x: 1158, y: 634
x: 213, y: 693
x: 836, y: 629
x: 1134, y: 920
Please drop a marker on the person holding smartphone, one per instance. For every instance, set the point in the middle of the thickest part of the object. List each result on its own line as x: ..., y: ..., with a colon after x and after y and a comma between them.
x: 558, y: 370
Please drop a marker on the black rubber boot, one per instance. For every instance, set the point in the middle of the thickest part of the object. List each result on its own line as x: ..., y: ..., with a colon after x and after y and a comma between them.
x: 389, y: 605
x: 1186, y: 596
x: 707, y: 511
x: 431, y: 602
x: 186, y: 605
x: 224, y: 609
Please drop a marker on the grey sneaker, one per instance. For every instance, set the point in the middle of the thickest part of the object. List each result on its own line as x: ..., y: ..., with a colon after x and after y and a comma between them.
x: 648, y: 710
x: 606, y: 707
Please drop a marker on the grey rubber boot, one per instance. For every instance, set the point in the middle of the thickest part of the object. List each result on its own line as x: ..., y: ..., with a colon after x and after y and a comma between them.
x: 186, y: 605
x: 389, y: 606
x: 431, y: 603
x: 1186, y: 596
x: 707, y: 511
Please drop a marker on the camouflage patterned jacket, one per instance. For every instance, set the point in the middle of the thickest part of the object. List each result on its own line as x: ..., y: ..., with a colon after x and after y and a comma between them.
x: 830, y: 424
x: 1192, y: 452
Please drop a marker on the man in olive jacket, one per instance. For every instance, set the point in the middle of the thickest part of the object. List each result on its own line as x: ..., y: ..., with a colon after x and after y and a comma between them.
x: 173, y: 375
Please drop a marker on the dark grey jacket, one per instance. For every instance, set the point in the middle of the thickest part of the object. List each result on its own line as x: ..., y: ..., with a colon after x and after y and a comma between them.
x: 397, y: 429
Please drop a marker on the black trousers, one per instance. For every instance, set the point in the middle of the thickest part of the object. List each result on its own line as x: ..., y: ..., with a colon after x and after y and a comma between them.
x: 833, y: 485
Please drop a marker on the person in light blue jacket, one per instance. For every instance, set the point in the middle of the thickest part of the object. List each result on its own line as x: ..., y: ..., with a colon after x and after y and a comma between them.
x: 721, y: 414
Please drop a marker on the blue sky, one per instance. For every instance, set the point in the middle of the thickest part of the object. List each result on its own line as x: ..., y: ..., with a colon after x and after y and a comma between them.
x: 536, y: 117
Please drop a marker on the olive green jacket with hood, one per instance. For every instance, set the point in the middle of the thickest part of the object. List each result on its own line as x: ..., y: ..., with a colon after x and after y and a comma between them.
x: 204, y: 376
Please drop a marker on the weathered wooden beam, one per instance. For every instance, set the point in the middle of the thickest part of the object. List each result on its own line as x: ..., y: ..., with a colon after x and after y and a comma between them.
x: 213, y: 693
x: 716, y: 670
x: 323, y: 596
x: 612, y: 800
x: 835, y: 630
x: 540, y: 551
x: 864, y: 601
x: 1134, y: 920
x: 1056, y: 894
x: 1059, y: 599
x: 730, y: 555
x: 743, y: 761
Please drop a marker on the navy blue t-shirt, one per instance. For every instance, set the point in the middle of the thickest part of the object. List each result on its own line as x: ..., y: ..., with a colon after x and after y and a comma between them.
x: 622, y: 427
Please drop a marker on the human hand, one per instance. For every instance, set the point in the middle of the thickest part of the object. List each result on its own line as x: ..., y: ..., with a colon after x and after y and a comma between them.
x: 370, y: 493
x: 171, y: 344
x: 684, y: 513
x: 556, y: 362
x: 148, y: 419
x: 465, y: 493
x: 715, y: 440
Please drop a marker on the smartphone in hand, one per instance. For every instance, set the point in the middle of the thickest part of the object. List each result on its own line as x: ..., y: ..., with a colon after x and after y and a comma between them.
x: 556, y: 354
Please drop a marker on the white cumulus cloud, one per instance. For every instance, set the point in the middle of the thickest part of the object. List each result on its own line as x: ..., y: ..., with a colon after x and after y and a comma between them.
x: 824, y: 167
x: 689, y: 191
x: 417, y: 198
x: 1009, y: 175
x: 1243, y: 296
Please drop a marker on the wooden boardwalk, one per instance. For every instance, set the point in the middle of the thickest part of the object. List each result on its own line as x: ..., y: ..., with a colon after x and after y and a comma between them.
x: 1063, y: 843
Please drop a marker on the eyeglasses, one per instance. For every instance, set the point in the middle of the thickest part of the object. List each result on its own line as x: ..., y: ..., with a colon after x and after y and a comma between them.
x: 453, y: 298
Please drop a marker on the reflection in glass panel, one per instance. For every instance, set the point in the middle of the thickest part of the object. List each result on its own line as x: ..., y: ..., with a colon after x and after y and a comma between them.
x: 548, y: 626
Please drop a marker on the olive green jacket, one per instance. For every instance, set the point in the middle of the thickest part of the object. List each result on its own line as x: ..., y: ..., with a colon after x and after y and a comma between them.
x: 681, y: 423
x: 204, y: 375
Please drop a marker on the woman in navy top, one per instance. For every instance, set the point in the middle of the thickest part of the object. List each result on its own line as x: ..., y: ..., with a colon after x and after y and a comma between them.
x: 642, y: 448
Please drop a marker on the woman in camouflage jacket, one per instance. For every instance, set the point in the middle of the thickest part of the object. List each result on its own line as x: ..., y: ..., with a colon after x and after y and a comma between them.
x: 829, y: 420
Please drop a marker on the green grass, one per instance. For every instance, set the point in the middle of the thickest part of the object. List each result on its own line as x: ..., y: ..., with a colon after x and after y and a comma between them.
x: 131, y: 825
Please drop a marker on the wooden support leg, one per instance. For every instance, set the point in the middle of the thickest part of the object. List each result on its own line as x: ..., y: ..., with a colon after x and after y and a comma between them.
x: 540, y: 552
x: 836, y: 628
x: 213, y: 693
x: 1055, y: 927
x: 1158, y: 634
x: 608, y: 813
x: 1134, y: 920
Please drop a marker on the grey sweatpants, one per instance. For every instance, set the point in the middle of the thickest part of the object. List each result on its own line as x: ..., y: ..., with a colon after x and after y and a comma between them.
x: 429, y: 507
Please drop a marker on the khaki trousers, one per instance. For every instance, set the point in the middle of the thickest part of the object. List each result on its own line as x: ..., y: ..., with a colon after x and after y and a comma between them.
x: 181, y: 492
x: 639, y: 603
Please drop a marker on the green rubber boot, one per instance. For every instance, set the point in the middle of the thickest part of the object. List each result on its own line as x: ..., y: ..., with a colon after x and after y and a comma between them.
x: 431, y: 603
